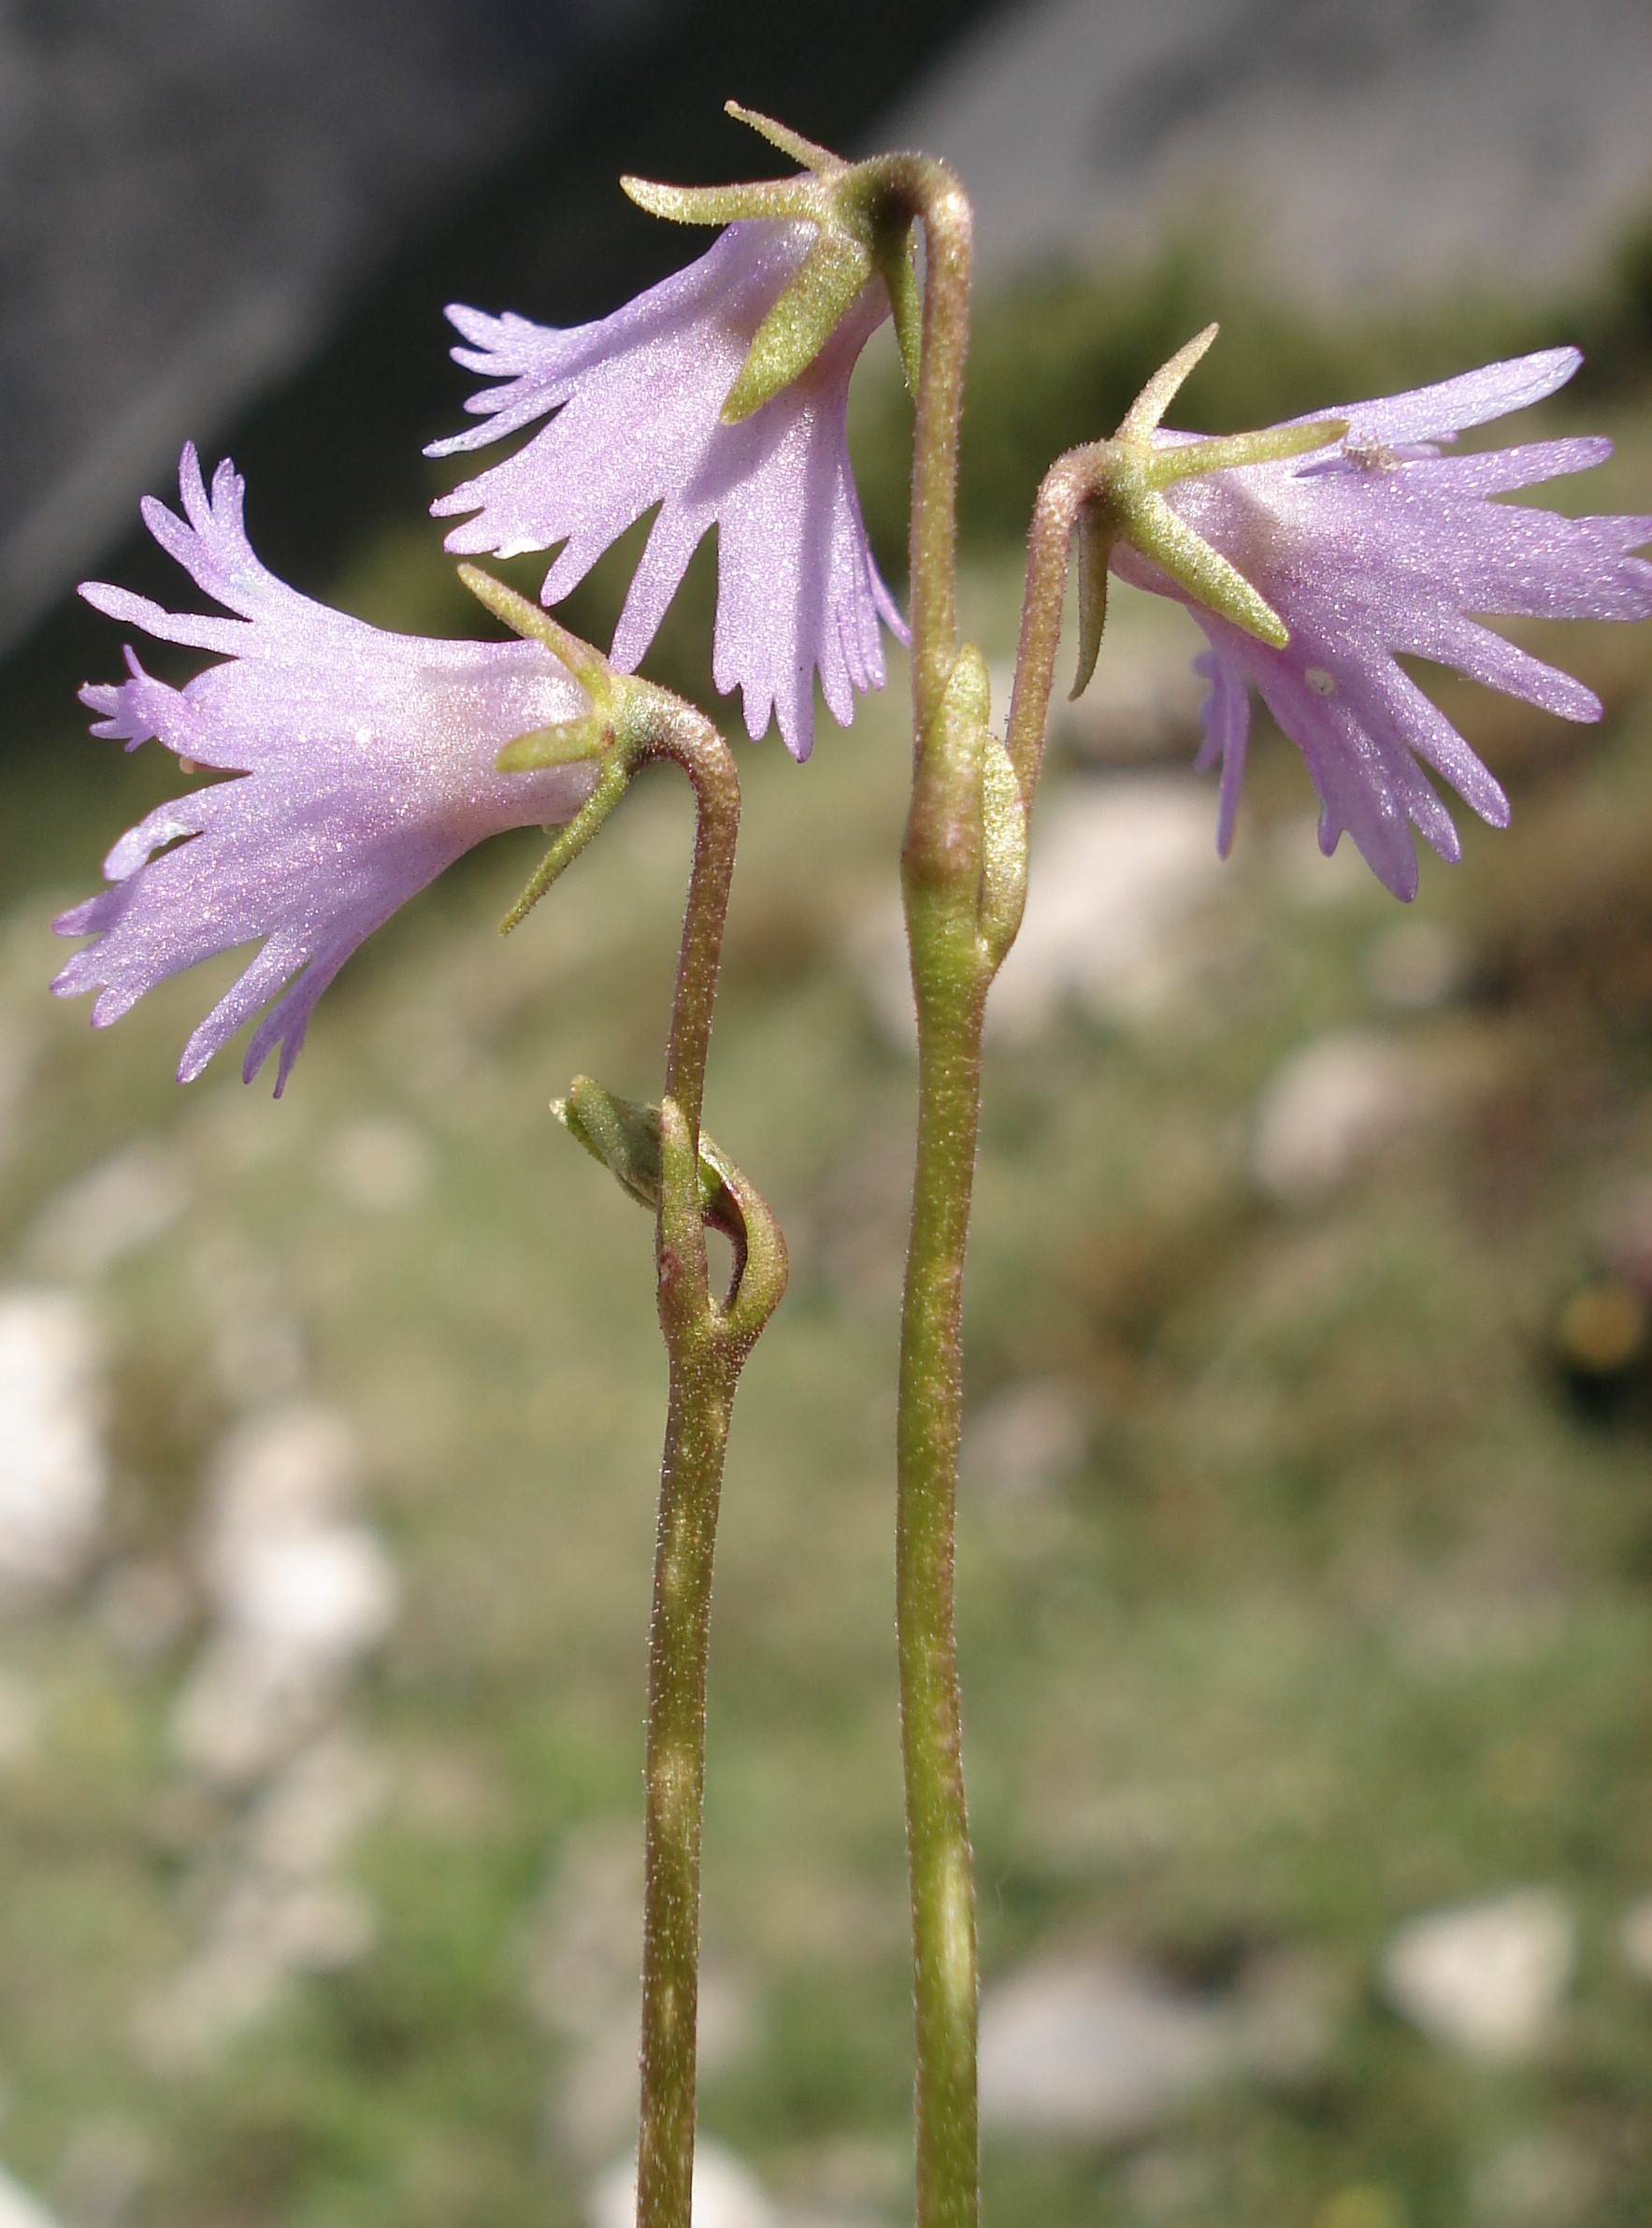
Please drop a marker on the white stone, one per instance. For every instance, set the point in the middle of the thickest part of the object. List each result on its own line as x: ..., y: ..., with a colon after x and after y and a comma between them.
x: 307, y: 1819
x: 1119, y: 862
x: 1120, y: 865
x: 18, y: 2209
x: 119, y: 1205
x: 1485, y: 1978
x: 279, y: 1912
x: 301, y: 1593
x: 1329, y: 1108
x: 727, y: 2193
x: 1026, y: 1439
x: 327, y: 1593
x: 1093, y: 2048
x: 245, y: 1706
x: 53, y: 1471
x: 584, y: 1957
x: 383, y: 1167
x: 284, y: 1469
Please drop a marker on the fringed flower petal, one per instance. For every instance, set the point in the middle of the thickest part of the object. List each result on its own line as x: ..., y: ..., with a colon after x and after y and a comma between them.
x: 1386, y: 546
x: 363, y: 764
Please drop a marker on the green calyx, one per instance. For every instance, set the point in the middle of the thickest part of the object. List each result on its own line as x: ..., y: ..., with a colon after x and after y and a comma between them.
x: 1125, y: 502
x: 863, y: 232
x: 622, y: 729
x: 802, y: 322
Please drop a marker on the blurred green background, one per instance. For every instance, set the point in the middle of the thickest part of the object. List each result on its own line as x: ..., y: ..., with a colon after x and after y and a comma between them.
x: 1306, y: 1545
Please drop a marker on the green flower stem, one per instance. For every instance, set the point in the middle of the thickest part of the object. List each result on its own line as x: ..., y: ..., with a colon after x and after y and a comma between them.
x: 1049, y: 543
x: 942, y: 879
x: 932, y: 191
x: 700, y: 1400
x: 695, y: 744
x: 945, y: 1984
x: 707, y: 1341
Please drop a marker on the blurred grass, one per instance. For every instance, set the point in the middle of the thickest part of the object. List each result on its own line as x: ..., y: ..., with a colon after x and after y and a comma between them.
x: 1346, y: 1614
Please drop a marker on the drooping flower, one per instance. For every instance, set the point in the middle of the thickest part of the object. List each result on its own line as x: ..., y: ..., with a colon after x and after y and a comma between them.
x: 1381, y: 546
x: 637, y: 398
x: 366, y: 766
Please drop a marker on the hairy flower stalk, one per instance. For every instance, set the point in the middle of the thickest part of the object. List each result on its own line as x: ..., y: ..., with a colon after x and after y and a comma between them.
x: 957, y: 929
x: 1309, y: 554
x: 366, y: 763
x: 659, y: 1154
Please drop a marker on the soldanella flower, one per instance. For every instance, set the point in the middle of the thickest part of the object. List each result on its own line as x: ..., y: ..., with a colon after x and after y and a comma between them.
x: 719, y: 396
x: 366, y: 766
x: 1372, y: 545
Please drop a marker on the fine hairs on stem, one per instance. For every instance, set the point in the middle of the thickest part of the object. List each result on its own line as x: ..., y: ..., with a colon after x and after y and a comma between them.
x: 660, y: 1156
x: 941, y: 875
x: 707, y: 1341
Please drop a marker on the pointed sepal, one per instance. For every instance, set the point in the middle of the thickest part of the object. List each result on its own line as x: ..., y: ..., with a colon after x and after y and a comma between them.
x: 1234, y: 451
x: 726, y: 205
x: 896, y: 257
x: 534, y: 624
x: 1097, y: 534
x: 612, y: 779
x: 1156, y: 531
x: 808, y: 153
x: 1146, y: 413
x: 800, y: 323
x: 565, y: 743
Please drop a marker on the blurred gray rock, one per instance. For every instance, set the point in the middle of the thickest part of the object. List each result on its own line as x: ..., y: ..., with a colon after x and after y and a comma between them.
x: 727, y: 2193
x: 1120, y: 865
x: 280, y: 1909
x: 112, y: 1210
x: 1329, y: 1108
x: 188, y: 191
x: 1026, y: 1440
x: 1347, y: 147
x: 54, y: 1470
x: 1093, y: 2048
x: 1097, y: 2048
x: 18, y: 2209
x: 301, y: 1594
x: 1485, y: 1978
x: 584, y: 1960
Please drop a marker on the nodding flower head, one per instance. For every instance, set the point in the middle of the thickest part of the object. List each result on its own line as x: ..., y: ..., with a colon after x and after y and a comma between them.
x: 673, y: 401
x: 366, y: 765
x: 1380, y: 545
